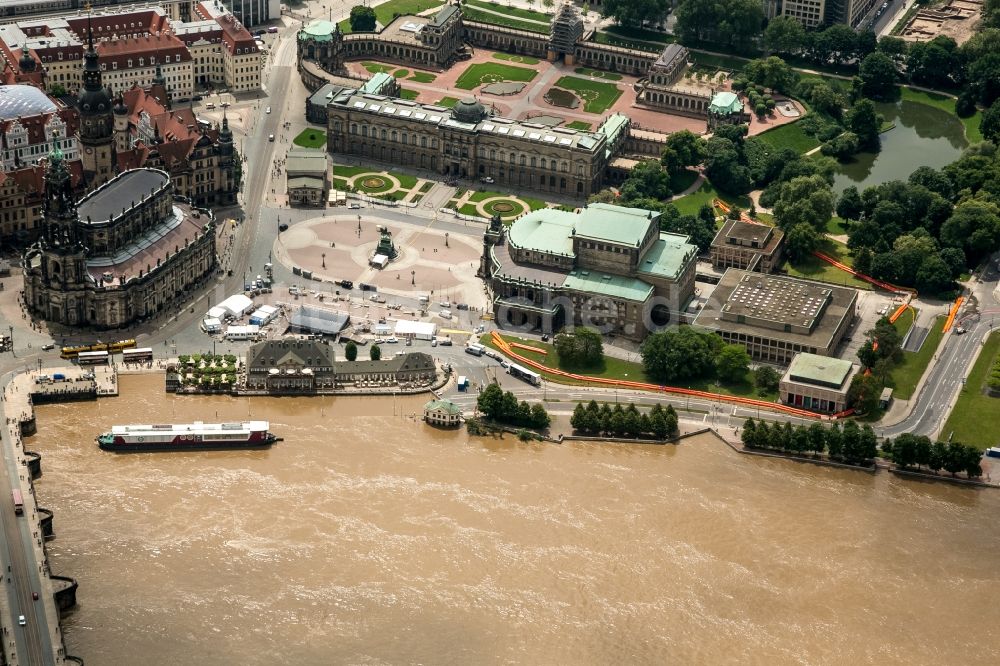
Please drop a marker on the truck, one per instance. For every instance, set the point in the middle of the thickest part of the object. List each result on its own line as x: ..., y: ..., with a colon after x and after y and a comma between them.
x: 475, y: 349
x: 463, y: 383
x: 993, y: 452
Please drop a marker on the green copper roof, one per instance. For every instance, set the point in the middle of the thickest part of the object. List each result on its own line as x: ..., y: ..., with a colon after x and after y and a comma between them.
x: 614, y: 286
x: 725, y: 103
x: 616, y: 224
x: 446, y: 405
x: 373, y: 86
x: 318, y: 30
x: 546, y: 230
x: 819, y: 370
x: 667, y: 256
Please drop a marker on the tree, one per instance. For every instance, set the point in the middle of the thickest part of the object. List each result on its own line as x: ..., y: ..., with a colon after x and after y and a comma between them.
x: 773, y: 73
x: 801, y: 241
x: 634, y: 12
x: 784, y: 34
x: 766, y: 379
x: 841, y: 147
x: 724, y: 166
x: 973, y: 226
x: 849, y: 206
x: 827, y: 101
x: 580, y: 348
x: 817, y: 438
x: 539, y: 417
x: 878, y: 76
x: 863, y: 121
x: 732, y: 364
x: 736, y: 23
x: 863, y: 258
x: 805, y: 199
x: 863, y: 393
x: 647, y: 180
x: 679, y: 353
x: 990, y: 123
x: 894, y: 47
x: 934, y: 63
x: 934, y: 275
x: 700, y: 228
x: 375, y: 353
x: 362, y: 19
x: 350, y: 351
x: 490, y: 401
x: 579, y: 418
x: 682, y: 149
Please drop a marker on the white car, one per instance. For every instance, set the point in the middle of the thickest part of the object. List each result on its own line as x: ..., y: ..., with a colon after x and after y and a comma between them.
x: 267, y: 110
x: 391, y: 341
x: 21, y: 621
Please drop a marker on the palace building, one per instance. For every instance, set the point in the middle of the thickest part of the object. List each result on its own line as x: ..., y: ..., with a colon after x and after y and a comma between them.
x: 125, y: 252
x: 608, y: 267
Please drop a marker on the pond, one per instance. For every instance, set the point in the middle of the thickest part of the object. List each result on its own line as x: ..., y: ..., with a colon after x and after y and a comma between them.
x: 923, y: 136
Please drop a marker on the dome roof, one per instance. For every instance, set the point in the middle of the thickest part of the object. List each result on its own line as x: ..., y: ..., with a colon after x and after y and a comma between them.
x: 23, y: 100
x: 26, y: 63
x: 94, y: 101
x: 468, y: 110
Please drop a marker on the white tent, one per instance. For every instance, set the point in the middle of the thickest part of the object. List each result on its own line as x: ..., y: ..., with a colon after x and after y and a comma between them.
x: 263, y: 315
x: 217, y: 312
x: 211, y: 325
x: 421, y: 330
x: 237, y: 305
x: 242, y: 332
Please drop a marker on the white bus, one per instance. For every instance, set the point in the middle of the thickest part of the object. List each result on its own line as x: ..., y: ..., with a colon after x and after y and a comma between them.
x: 141, y: 355
x: 522, y: 372
x: 92, y: 358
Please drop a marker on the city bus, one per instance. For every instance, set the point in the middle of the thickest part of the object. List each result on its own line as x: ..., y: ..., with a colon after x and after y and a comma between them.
x: 92, y: 358
x: 140, y: 355
x: 18, y: 501
x: 521, y: 372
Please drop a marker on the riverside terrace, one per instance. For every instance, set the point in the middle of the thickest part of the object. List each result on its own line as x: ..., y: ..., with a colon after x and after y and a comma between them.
x: 776, y: 317
x: 608, y: 266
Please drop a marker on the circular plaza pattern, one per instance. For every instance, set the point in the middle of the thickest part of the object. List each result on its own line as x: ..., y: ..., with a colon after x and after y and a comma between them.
x: 375, y: 183
x: 505, y: 207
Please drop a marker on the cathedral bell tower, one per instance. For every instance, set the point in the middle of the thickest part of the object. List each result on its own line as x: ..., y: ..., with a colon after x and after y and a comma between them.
x: 63, y: 255
x: 229, y: 164
x: 97, y: 130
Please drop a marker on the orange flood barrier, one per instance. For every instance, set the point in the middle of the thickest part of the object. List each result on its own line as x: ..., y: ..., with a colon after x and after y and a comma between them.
x: 951, y: 314
x: 861, y: 276
x: 898, y: 313
x: 724, y: 207
x: 528, y: 348
x: 506, y: 347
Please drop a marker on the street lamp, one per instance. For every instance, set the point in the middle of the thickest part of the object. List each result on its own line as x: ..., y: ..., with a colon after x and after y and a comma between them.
x: 324, y: 259
x: 446, y: 239
x: 359, y: 225
x: 413, y: 281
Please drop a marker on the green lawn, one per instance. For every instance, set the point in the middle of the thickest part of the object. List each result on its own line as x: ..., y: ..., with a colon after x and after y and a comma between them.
x: 375, y: 67
x: 579, y: 125
x: 533, y: 204
x: 447, y: 102
x: 406, y: 181
x: 946, y: 103
x: 836, y: 226
x: 422, y: 77
x: 683, y: 180
x: 597, y: 96
x: 490, y: 72
x: 523, y: 59
x: 616, y: 368
x: 529, y: 14
x: 408, y: 94
x: 469, y: 209
x: 473, y: 14
x: 790, y: 136
x: 401, y: 73
x: 615, y: 40
x: 386, y: 12
x: 640, y: 34
x: 689, y: 205
x: 907, y: 373
x: 596, y: 73
x: 815, y: 268
x: 975, y: 419
x: 310, y: 138
x: 905, y: 321
x: 729, y: 63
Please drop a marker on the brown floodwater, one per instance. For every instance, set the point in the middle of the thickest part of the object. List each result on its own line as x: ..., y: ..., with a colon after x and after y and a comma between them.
x: 368, y: 538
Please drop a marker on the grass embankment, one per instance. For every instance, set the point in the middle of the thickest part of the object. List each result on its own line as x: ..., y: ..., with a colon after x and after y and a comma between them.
x: 310, y: 138
x: 907, y: 373
x: 579, y: 125
x: 597, y: 96
x: 706, y: 194
x: 473, y: 14
x: 616, y: 368
x: 522, y: 59
x: 946, y: 103
x: 789, y: 136
x: 387, y: 12
x: 447, y: 102
x: 491, y: 72
x: 815, y: 268
x: 975, y: 420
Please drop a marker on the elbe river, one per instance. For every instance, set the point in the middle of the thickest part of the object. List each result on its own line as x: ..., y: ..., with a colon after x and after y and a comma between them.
x: 369, y: 538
